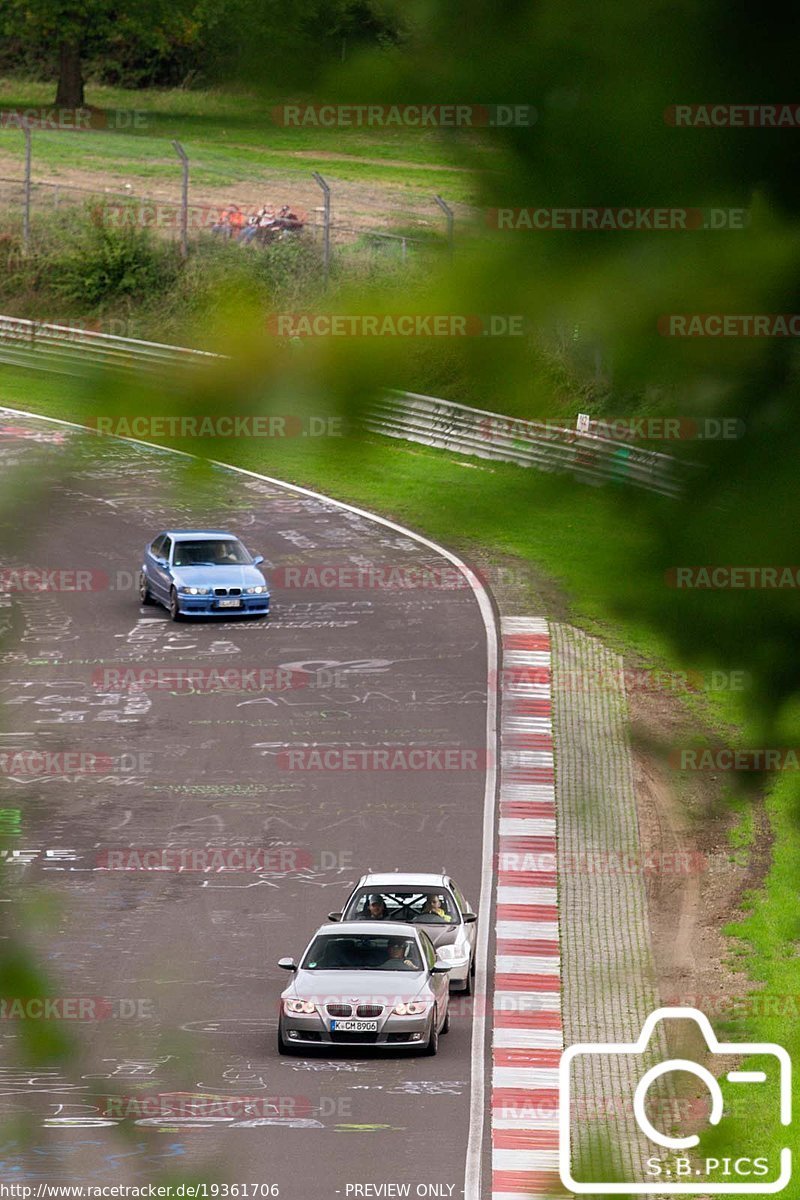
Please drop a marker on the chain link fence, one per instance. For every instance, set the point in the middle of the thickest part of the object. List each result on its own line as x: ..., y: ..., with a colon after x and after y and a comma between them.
x: 337, y: 213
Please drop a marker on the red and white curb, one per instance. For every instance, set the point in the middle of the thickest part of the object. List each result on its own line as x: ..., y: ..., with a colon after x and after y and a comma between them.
x: 527, y: 1035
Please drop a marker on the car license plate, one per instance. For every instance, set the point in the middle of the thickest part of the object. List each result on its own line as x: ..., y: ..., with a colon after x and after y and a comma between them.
x: 234, y: 603
x: 354, y: 1026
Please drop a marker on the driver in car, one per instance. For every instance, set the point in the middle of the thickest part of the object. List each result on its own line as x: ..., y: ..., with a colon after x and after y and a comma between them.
x: 375, y: 909
x: 397, y: 959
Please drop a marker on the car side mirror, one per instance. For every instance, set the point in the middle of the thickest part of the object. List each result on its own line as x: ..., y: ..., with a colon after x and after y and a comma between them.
x: 334, y: 916
x: 287, y: 964
x: 440, y: 968
x: 469, y: 918
x: 258, y: 558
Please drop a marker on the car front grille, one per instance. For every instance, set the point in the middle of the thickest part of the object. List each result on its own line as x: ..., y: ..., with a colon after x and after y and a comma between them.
x: 364, y: 1039
x: 339, y: 1010
x: 234, y: 591
x: 369, y: 1010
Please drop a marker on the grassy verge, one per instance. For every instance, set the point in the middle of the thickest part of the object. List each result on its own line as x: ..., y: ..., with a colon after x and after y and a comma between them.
x: 232, y: 138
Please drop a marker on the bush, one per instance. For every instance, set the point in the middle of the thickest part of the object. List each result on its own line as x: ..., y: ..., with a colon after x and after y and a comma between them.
x: 102, y: 263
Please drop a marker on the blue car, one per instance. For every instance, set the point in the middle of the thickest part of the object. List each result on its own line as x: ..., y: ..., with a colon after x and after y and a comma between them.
x: 203, y: 572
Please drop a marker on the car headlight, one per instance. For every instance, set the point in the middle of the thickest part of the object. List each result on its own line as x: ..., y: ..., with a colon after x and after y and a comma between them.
x: 298, y: 1008
x: 452, y: 953
x: 255, y: 591
x: 411, y: 1008
x: 194, y: 591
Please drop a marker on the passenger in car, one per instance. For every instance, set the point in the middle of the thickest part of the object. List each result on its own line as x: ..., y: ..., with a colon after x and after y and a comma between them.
x: 434, y: 905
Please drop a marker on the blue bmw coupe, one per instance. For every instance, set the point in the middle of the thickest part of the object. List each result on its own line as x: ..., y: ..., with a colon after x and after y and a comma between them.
x: 202, y: 572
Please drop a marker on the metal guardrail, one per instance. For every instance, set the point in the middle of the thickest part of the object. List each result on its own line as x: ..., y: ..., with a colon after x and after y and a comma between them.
x: 463, y: 430
x: 443, y: 424
x: 65, y: 349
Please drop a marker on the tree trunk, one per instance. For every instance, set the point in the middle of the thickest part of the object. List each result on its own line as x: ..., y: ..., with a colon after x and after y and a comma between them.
x: 70, y: 77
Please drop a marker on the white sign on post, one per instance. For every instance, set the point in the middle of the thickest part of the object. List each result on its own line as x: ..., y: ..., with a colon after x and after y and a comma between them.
x: 584, y: 421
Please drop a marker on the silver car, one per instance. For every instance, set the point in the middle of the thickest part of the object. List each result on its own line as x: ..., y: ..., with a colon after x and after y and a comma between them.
x: 432, y: 901
x: 365, y: 987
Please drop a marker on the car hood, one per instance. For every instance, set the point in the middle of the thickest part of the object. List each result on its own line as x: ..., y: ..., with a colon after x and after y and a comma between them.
x: 441, y: 935
x: 363, y: 985
x: 232, y: 575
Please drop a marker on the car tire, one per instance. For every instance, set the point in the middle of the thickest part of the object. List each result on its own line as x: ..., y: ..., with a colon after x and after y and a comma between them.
x: 446, y: 1027
x: 145, y: 595
x: 283, y: 1046
x: 432, y: 1045
x: 465, y: 989
x: 174, y: 610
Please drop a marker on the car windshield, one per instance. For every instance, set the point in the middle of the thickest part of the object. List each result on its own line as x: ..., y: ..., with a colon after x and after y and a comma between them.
x: 424, y: 906
x: 333, y: 952
x: 210, y: 553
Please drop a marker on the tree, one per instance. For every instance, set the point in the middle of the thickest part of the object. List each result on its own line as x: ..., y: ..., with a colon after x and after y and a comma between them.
x: 83, y: 30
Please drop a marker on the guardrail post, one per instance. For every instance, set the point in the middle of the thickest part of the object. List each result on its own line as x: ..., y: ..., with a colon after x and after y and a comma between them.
x: 326, y: 233
x: 26, y: 203
x: 182, y: 155
x: 449, y: 214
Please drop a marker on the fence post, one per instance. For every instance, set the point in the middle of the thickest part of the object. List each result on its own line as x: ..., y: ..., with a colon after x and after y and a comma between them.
x: 182, y: 155
x: 26, y: 210
x: 448, y: 212
x: 326, y: 236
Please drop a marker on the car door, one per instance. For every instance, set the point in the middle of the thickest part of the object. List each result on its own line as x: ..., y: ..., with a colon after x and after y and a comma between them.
x: 159, y: 570
x: 151, y: 553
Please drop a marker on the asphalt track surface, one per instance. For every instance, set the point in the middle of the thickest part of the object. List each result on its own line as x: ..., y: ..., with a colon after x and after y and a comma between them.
x: 194, y: 954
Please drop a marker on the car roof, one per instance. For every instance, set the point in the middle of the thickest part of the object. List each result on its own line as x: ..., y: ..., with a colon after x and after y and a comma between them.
x: 367, y: 928
x: 179, y: 535
x: 406, y: 878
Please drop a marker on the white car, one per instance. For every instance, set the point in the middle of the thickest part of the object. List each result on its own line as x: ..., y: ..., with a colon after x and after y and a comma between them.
x: 361, y: 985
x: 434, y: 902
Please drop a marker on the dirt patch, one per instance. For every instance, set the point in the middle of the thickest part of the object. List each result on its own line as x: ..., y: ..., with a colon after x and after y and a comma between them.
x: 694, y: 886
x: 357, y: 206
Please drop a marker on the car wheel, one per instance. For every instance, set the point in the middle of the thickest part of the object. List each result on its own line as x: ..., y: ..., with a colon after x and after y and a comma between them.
x: 174, y: 610
x: 446, y: 1026
x: 283, y: 1046
x: 432, y: 1046
x: 465, y: 988
x: 144, y: 590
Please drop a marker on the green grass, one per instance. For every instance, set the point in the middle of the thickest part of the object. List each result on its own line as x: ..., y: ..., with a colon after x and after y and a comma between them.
x: 233, y: 139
